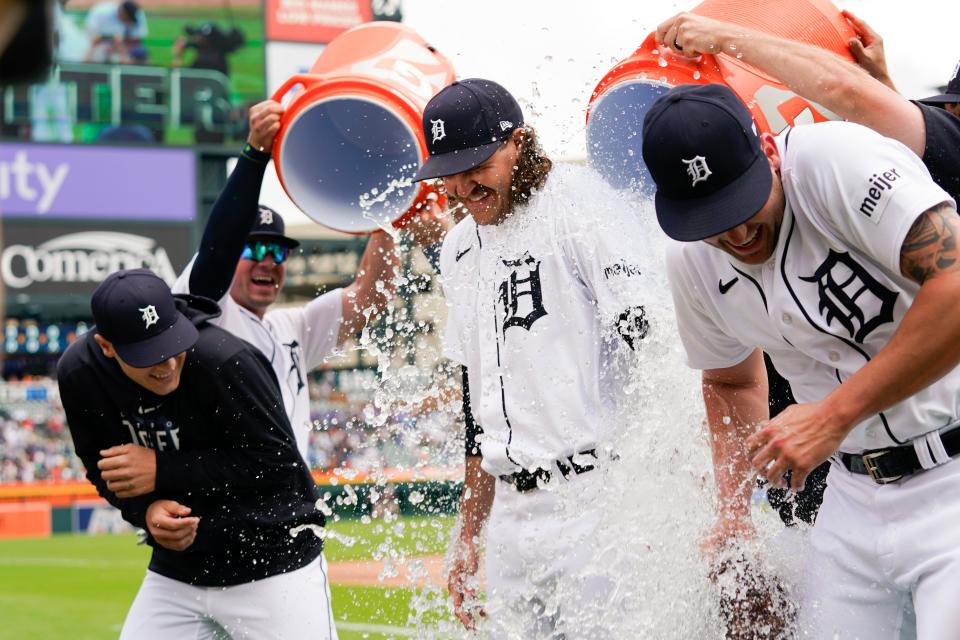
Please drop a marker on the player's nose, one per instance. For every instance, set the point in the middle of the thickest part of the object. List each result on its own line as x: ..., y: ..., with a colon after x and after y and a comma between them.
x: 737, y: 235
x: 166, y: 366
x: 459, y: 185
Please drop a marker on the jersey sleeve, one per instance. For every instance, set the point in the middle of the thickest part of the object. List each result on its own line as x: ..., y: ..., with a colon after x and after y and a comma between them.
x: 453, y: 347
x: 316, y: 326
x: 865, y: 189
x: 608, y: 251
x: 473, y: 430
x: 705, y: 343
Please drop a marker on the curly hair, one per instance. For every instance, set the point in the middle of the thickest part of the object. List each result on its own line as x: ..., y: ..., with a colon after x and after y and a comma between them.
x: 532, y: 167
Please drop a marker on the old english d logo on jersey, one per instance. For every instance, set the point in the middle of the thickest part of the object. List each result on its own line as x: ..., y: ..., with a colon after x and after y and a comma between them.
x: 851, y: 296
x: 520, y: 293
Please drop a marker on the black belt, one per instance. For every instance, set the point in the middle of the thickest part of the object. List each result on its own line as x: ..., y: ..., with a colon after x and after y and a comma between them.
x: 525, y: 480
x: 889, y: 465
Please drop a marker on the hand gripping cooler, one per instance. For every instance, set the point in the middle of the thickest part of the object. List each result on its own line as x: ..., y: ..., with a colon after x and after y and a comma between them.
x: 621, y: 99
x: 350, y: 140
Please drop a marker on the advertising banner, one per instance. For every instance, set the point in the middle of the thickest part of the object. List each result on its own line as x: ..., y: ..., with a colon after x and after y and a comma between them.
x: 69, y: 259
x: 320, y: 21
x: 39, y: 181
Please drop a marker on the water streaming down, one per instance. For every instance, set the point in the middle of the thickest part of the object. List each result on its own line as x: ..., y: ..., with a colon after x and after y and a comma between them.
x: 659, y: 496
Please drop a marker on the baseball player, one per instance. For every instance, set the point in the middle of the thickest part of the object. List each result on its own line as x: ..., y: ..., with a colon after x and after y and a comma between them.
x: 180, y: 426
x: 543, y: 282
x: 821, y: 76
x: 832, y: 250
x: 240, y: 263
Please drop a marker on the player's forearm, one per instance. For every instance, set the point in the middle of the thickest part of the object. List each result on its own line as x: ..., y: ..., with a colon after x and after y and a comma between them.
x: 812, y: 72
x: 228, y: 226
x: 476, y: 499
x: 373, y: 287
x: 830, y: 81
x: 734, y: 411
x: 924, y: 348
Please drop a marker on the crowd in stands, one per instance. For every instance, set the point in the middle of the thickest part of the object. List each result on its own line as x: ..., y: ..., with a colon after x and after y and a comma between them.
x: 35, y: 444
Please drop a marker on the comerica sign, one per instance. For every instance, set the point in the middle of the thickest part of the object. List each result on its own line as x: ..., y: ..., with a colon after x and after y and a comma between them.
x: 86, y: 257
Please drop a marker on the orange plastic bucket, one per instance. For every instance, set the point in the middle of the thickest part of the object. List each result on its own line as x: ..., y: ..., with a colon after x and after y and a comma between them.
x: 350, y: 140
x: 621, y: 99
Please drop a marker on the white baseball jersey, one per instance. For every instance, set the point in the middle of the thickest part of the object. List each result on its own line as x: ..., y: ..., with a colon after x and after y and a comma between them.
x: 294, y: 340
x: 831, y: 295
x: 103, y: 20
x: 529, y: 300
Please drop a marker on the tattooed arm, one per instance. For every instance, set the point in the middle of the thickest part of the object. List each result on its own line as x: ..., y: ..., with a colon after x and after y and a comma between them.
x: 923, y: 349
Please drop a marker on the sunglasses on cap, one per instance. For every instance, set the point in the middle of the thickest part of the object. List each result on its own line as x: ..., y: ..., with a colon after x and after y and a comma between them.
x: 257, y: 251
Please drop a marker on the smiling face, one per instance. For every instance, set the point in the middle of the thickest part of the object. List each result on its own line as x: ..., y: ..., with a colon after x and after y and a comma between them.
x: 484, y: 191
x: 256, y: 284
x: 162, y: 378
x: 754, y: 241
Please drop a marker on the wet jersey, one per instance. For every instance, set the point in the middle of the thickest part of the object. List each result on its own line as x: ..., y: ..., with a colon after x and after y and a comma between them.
x: 831, y: 295
x: 529, y: 300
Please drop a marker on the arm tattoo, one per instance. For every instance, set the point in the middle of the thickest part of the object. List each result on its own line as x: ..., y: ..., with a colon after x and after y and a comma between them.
x: 930, y: 247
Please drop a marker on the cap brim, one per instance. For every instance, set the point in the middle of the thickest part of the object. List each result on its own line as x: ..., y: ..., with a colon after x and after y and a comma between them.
x: 700, y: 218
x: 448, y: 164
x: 943, y: 98
x: 174, y: 340
x: 276, y: 237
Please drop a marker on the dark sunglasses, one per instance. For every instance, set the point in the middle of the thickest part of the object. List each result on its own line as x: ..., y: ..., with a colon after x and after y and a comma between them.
x: 259, y: 250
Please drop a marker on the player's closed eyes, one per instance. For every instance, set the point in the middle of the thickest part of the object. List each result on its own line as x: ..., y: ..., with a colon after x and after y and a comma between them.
x: 259, y: 250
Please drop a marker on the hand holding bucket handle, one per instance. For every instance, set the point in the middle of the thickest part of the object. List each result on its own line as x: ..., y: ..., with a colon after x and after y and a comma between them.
x: 307, y: 80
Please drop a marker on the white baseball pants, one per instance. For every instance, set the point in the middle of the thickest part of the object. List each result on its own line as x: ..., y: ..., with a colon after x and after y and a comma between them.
x: 289, y: 606
x: 885, y: 559
x: 538, y: 562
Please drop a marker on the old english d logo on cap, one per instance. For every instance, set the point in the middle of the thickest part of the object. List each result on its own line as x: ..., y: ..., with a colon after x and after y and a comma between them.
x: 698, y: 169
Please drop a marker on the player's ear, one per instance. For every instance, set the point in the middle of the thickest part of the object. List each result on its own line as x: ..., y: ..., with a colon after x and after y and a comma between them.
x: 518, y: 137
x: 105, y: 345
x: 769, y: 146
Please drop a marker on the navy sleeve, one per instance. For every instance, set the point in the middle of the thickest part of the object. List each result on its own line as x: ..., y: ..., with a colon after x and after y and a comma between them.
x: 432, y: 252
x: 85, y: 422
x: 473, y: 429
x: 941, y: 153
x: 230, y: 221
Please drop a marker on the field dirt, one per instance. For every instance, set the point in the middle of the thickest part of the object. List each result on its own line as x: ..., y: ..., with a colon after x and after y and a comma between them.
x: 366, y: 573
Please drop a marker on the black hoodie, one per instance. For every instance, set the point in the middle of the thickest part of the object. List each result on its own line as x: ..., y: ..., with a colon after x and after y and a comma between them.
x: 224, y: 448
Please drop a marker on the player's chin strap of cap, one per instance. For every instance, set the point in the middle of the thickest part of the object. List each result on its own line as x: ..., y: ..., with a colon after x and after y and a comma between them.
x: 525, y: 480
x: 889, y: 465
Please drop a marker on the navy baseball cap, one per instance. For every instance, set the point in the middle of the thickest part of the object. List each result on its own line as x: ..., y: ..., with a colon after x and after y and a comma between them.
x: 951, y: 93
x: 703, y: 151
x: 465, y: 124
x: 269, y: 225
x: 135, y: 310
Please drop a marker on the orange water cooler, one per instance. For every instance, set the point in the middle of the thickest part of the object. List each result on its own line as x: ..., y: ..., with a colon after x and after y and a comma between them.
x: 621, y: 99
x: 351, y: 140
